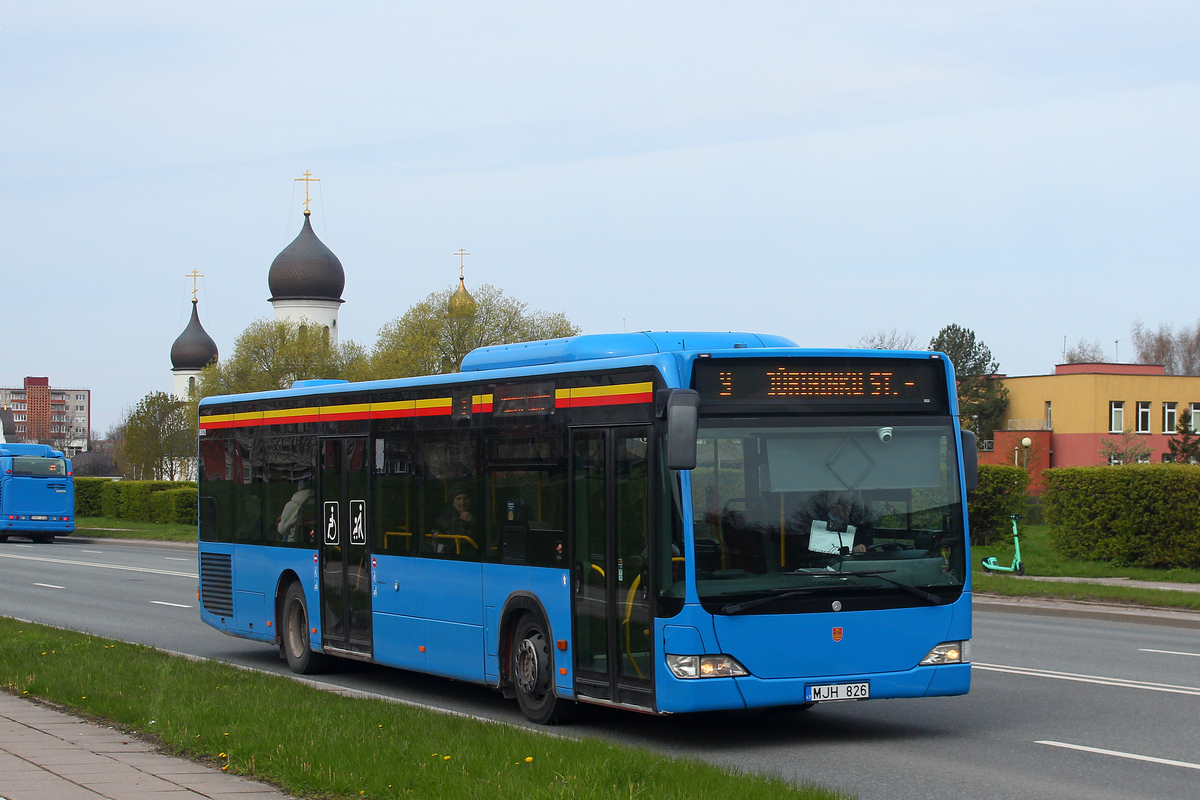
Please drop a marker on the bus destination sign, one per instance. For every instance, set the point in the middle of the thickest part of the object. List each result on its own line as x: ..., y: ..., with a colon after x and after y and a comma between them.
x: 821, y: 381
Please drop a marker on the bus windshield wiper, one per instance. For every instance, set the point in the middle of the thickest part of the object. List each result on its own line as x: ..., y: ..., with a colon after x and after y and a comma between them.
x: 879, y: 573
x: 734, y: 608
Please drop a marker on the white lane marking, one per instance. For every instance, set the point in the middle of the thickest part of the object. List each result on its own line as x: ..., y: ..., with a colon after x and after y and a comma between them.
x: 1119, y: 754
x: 172, y: 558
x: 49, y: 585
x: 98, y: 552
x: 173, y: 605
x: 1167, y: 652
x: 100, y: 566
x: 1071, y: 676
x: 22, y: 545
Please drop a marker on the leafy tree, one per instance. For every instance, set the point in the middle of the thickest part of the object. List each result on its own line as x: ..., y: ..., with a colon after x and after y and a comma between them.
x: 159, y: 437
x: 1125, y: 448
x: 1084, y: 353
x: 434, y: 335
x: 271, y: 354
x: 982, y: 396
x: 887, y: 340
x: 1185, y: 444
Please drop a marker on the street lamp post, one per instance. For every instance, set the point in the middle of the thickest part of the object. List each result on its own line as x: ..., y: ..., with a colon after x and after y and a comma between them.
x: 1025, y: 443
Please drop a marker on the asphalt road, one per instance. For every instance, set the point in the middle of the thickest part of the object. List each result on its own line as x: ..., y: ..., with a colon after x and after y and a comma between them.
x: 1060, y: 708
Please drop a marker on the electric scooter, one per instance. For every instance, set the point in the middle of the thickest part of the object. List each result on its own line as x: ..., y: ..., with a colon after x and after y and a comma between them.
x: 1018, y: 566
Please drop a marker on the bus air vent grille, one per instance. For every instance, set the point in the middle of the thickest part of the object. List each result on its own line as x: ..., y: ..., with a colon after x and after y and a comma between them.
x: 216, y: 583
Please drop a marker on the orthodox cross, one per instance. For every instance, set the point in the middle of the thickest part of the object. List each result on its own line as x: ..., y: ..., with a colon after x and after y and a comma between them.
x: 307, y: 180
x: 194, y: 275
x: 462, y: 256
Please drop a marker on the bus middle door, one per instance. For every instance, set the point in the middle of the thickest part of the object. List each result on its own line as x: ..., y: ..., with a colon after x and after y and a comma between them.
x: 345, y: 554
x: 610, y: 487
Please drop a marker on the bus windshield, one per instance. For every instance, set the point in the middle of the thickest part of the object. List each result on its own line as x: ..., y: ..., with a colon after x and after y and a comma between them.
x: 39, y: 467
x: 799, y: 508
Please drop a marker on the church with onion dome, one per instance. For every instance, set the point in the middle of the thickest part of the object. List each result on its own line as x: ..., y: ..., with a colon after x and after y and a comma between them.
x: 192, y: 351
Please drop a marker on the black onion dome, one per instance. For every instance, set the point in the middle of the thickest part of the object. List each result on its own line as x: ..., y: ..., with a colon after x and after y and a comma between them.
x: 93, y: 464
x: 306, y: 270
x: 194, y: 349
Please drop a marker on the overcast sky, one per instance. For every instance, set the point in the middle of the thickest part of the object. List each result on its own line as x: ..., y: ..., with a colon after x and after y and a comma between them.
x: 818, y: 170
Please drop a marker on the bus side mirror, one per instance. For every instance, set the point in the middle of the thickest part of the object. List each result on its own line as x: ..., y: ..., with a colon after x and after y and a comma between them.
x: 683, y: 420
x: 970, y: 460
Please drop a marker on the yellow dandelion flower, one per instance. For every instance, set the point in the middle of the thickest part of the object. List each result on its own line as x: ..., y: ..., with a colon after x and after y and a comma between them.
x: 528, y: 759
x: 445, y: 758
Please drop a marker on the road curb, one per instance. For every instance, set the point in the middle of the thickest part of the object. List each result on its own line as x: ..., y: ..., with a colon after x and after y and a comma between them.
x: 100, y: 540
x: 1111, y: 612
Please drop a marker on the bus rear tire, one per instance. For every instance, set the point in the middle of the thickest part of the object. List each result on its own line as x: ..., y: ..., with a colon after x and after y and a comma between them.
x: 43, y: 538
x: 531, y: 668
x: 294, y: 641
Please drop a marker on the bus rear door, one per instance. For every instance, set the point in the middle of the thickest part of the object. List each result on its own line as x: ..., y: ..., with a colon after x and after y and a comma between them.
x: 610, y: 487
x: 345, y: 553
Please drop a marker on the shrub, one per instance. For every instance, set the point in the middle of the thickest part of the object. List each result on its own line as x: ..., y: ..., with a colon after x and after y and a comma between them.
x: 174, y: 505
x: 132, y: 499
x: 1143, y: 515
x: 87, y: 496
x: 1000, y: 494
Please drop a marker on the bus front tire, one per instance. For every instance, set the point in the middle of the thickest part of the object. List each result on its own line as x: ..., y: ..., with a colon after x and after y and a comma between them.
x: 532, y: 672
x: 294, y: 641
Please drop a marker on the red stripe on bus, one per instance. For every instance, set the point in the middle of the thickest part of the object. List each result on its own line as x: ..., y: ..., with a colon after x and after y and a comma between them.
x: 604, y: 400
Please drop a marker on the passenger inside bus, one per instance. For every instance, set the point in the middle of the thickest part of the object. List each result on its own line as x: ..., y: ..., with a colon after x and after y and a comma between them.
x: 455, y: 527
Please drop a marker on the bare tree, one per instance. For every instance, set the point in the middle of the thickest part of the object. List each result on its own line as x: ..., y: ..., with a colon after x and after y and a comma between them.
x: 887, y: 340
x: 1085, y: 353
x: 1177, y: 350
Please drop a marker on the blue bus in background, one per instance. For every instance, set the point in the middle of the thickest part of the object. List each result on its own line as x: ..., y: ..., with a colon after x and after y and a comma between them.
x: 663, y: 522
x: 37, y: 492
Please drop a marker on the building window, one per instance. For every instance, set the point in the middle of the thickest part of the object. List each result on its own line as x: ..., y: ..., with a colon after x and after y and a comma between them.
x: 1116, y: 416
x: 1195, y: 411
x: 81, y: 397
x: 1143, y: 417
x: 1049, y: 418
x: 1169, y: 418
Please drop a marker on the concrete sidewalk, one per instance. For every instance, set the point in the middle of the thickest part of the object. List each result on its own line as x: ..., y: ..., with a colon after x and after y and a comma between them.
x: 49, y: 755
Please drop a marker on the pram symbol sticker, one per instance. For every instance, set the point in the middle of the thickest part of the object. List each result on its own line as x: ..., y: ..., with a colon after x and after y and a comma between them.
x: 358, y: 522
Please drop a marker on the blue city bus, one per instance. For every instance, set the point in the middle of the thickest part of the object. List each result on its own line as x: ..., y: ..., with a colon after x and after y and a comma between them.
x: 663, y: 522
x: 37, y: 492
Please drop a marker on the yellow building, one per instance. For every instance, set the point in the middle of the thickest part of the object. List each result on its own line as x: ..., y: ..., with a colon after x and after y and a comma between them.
x: 1078, y: 407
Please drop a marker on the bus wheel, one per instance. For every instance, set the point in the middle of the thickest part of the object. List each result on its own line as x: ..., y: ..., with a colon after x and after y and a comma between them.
x: 532, y: 670
x: 3, y: 537
x: 300, y: 656
x: 43, y: 538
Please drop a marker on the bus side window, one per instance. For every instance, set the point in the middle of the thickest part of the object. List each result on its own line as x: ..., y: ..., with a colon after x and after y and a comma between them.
x: 452, y: 529
x: 395, y: 493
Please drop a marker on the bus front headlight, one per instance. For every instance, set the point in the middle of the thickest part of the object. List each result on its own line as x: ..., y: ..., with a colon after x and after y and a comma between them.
x: 706, y: 667
x: 949, y: 653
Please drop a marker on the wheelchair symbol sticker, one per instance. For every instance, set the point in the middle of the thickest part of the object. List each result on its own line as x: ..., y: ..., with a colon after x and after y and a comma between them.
x: 332, y: 535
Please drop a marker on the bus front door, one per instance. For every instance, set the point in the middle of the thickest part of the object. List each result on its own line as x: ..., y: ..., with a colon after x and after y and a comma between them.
x: 610, y: 486
x: 345, y: 555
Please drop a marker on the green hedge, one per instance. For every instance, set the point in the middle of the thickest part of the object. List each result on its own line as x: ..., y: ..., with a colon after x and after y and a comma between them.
x: 174, y: 505
x: 87, y: 496
x: 1000, y: 494
x: 132, y: 500
x: 1142, y: 515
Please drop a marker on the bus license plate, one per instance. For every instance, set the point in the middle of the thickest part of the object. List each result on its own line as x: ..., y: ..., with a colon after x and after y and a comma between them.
x: 827, y: 692
x: 39, y: 517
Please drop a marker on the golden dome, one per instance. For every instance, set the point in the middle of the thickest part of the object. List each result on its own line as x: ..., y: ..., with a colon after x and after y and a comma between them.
x: 461, y: 301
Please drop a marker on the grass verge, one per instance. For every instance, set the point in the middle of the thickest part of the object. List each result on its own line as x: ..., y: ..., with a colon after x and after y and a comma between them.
x: 1037, y: 552
x: 314, y: 743
x: 107, y: 527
